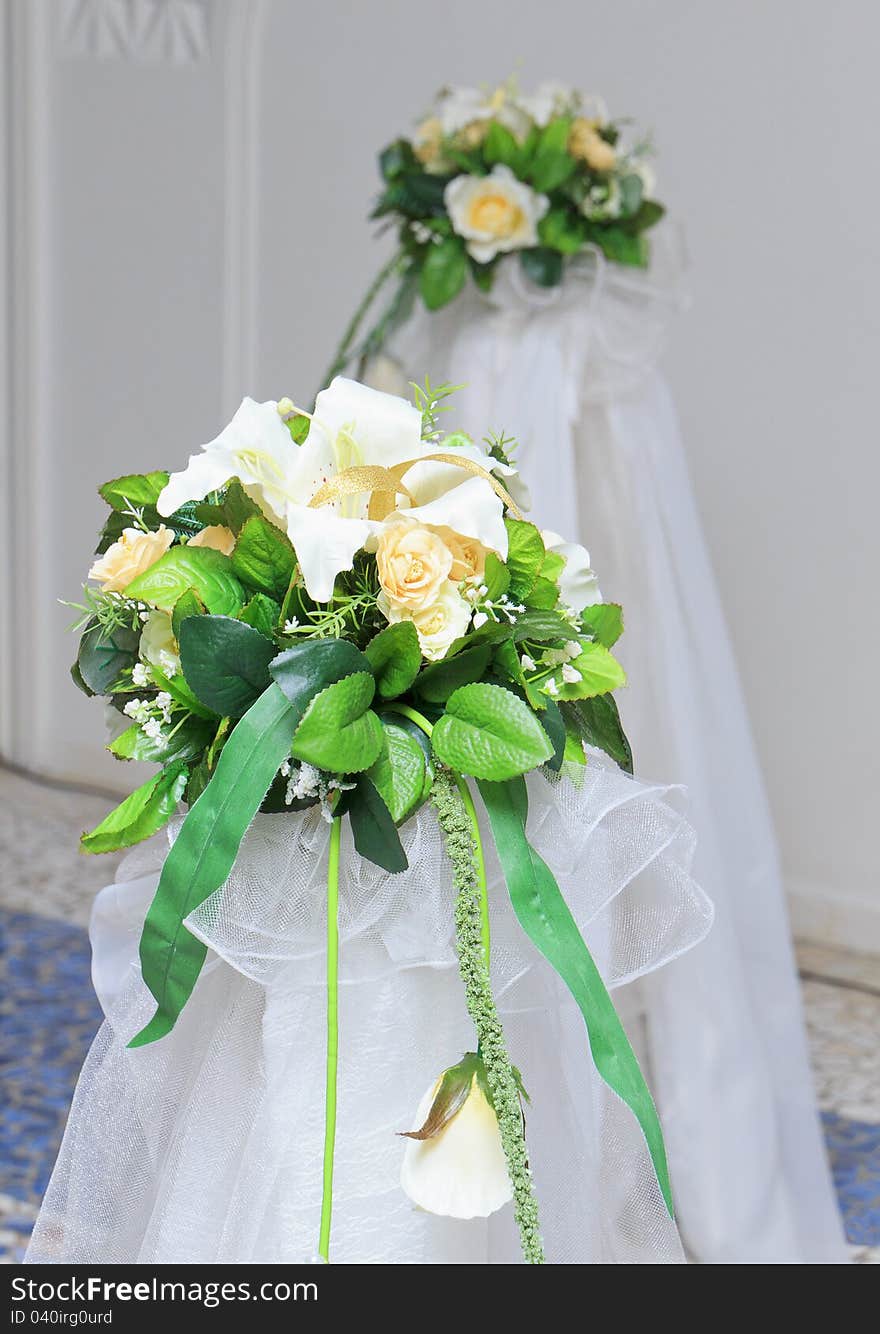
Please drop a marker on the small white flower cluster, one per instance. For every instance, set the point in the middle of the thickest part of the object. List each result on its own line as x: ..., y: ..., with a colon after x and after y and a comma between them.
x: 141, y: 675
x: 150, y: 714
x: 305, y: 781
x: 555, y: 657
x: 477, y: 594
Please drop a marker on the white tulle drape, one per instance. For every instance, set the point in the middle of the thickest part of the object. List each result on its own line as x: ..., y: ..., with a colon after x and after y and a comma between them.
x: 571, y: 374
x: 206, y: 1147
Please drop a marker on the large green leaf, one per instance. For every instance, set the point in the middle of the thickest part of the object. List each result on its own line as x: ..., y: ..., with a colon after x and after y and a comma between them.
x: 500, y: 146
x: 600, y: 672
x: 552, y: 163
x: 264, y: 557
x: 142, y: 813
x: 134, y: 491
x: 525, y: 556
x: 233, y: 509
x: 188, y: 604
x: 597, y: 721
x: 438, y: 681
x: 374, y: 832
x: 543, y: 627
x: 209, y: 573
x: 262, y: 613
x: 399, y: 774
x: 444, y: 272
x: 339, y: 731
x: 305, y: 669
x: 180, y: 692
x: 204, y: 853
x: 562, y: 229
x: 605, y: 621
x: 104, y: 653
x: 490, y: 733
x: 395, y: 657
x: 225, y: 662
x: 547, y: 921
x: 187, y: 743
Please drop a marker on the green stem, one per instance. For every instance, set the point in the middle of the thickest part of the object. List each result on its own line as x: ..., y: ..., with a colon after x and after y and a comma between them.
x: 464, y: 848
x: 413, y: 714
x: 344, y: 351
x: 332, y: 1035
x: 480, y: 863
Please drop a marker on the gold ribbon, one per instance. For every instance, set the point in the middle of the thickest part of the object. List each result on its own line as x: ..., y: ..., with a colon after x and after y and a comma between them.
x: 385, y: 484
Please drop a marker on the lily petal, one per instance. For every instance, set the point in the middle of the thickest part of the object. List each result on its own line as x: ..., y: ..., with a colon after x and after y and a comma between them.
x: 578, y: 585
x: 471, y: 508
x: 325, y: 545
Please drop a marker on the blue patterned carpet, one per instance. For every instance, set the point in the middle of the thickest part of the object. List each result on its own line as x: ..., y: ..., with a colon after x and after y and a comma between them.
x: 49, y: 1015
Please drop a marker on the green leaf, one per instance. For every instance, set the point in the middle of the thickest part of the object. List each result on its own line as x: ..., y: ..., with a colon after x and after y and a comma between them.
x: 76, y: 677
x: 187, y: 743
x: 598, y: 723
x: 180, y: 692
x: 444, y: 272
x: 604, y: 620
x: 262, y: 613
x: 500, y: 146
x: 496, y: 577
x: 134, y: 491
x: 374, y: 832
x: 207, y: 572
x: 204, y: 853
x: 188, y: 604
x: 264, y: 557
x: 554, y: 725
x: 623, y: 247
x: 542, y: 265
x: 438, y: 681
x: 630, y: 194
x: 490, y: 733
x: 525, y: 556
x: 104, y: 654
x: 298, y: 426
x: 339, y: 731
x: 547, y: 921
x: 232, y: 511
x: 552, y: 163
x: 600, y: 673
x: 553, y: 566
x: 543, y: 595
x: 225, y: 662
x: 141, y: 815
x: 396, y: 159
x: 400, y: 771
x: 564, y: 230
x: 648, y: 215
x: 542, y: 627
x: 395, y: 657
x: 305, y: 669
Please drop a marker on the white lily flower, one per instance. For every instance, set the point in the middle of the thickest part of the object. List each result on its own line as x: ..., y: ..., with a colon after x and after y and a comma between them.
x: 549, y: 100
x: 578, y: 585
x: 455, y: 1165
x: 255, y: 447
x: 460, y: 107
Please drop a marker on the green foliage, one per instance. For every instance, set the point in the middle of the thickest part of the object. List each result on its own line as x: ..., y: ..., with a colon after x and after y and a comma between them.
x: 141, y: 815
x: 444, y: 272
x: 554, y: 725
x: 225, y: 662
x: 597, y: 722
x: 264, y: 558
x: 232, y: 510
x: 400, y: 774
x: 490, y: 733
x: 600, y: 672
x: 501, y: 146
x: 209, y: 573
x: 542, y: 265
x: 552, y: 164
x: 180, y: 692
x: 604, y: 620
x: 374, y: 832
x: 188, y: 604
x: 438, y: 681
x: 339, y: 731
x: 104, y: 653
x: 306, y: 669
x: 525, y: 555
x: 563, y: 230
x: 623, y: 247
x: 187, y: 742
x: 395, y: 657
x: 298, y: 426
x: 496, y: 577
x: 134, y: 491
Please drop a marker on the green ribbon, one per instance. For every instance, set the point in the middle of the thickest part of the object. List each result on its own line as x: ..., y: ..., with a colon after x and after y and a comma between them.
x: 204, y: 853
x: 546, y: 918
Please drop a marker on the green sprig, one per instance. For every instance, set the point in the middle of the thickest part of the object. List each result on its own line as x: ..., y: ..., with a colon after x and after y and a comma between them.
x: 501, y: 1075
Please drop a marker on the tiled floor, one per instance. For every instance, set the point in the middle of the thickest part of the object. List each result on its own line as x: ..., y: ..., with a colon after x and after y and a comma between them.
x: 45, y: 892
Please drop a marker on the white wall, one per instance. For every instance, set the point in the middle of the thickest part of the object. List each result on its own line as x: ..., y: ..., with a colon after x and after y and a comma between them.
x: 195, y: 214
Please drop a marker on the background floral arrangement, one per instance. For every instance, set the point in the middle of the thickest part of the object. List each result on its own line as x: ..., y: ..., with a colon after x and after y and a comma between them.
x: 348, y: 609
x: 487, y: 174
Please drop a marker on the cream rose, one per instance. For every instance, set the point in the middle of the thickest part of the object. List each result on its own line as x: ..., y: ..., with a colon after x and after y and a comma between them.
x: 215, y: 536
x: 585, y: 142
x: 437, y: 625
x: 130, y: 556
x: 158, y: 645
x: 413, y: 564
x: 468, y: 555
x: 428, y: 142
x: 494, y: 213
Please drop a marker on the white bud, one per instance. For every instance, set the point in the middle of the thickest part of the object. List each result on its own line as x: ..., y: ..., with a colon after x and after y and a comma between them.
x: 571, y: 674
x: 528, y: 664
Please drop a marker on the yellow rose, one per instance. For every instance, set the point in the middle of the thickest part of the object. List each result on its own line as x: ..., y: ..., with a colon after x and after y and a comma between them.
x: 216, y: 537
x: 585, y: 142
x: 428, y: 141
x: 437, y: 625
x: 494, y: 213
x: 468, y: 555
x: 130, y: 556
x: 413, y: 564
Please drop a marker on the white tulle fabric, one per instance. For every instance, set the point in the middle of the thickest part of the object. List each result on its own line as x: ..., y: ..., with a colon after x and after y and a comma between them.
x: 571, y: 373
x: 206, y: 1147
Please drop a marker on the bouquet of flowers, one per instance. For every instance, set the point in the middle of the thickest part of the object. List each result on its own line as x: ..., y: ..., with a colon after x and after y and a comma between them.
x: 487, y: 174
x: 347, y: 609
